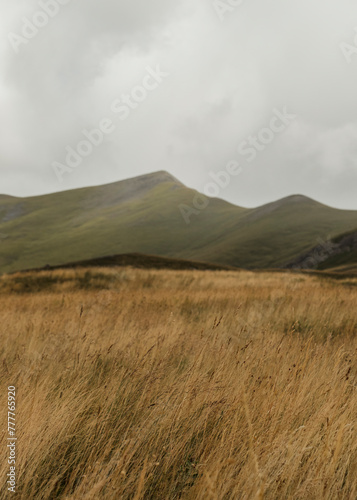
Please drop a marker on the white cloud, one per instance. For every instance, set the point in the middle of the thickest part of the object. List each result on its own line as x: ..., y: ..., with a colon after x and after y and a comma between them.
x: 225, y: 80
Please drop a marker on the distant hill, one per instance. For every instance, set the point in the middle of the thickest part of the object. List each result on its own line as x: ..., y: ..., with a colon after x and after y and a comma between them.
x: 142, y: 215
x: 140, y: 261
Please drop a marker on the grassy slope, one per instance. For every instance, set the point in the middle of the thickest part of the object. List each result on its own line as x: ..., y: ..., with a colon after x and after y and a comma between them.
x: 337, y: 255
x: 142, y: 215
x: 343, y: 261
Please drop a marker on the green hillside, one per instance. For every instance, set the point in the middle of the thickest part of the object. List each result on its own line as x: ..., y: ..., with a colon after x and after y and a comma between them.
x: 337, y: 254
x: 345, y: 255
x: 142, y: 215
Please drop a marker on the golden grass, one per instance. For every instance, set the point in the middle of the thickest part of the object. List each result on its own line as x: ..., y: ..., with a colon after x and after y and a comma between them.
x: 196, y: 385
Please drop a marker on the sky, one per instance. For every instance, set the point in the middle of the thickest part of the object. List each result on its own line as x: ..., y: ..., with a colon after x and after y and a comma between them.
x: 92, y: 92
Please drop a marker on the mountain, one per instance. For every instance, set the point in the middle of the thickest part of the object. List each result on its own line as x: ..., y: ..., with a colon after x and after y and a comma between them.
x: 142, y: 215
x: 338, y: 254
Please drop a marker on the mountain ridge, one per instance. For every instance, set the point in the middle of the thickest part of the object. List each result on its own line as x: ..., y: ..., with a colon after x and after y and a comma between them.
x: 142, y: 215
x: 160, y: 176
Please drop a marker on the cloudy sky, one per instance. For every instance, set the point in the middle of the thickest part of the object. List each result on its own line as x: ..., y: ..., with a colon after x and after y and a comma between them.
x: 184, y: 86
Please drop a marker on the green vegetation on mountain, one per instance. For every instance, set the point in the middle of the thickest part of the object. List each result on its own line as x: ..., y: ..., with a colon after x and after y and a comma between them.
x: 142, y: 215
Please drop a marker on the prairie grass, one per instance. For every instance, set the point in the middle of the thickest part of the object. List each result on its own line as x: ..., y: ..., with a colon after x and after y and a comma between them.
x: 180, y: 384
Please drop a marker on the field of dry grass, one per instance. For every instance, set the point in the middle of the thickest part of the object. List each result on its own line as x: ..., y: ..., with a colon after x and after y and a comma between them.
x: 176, y: 384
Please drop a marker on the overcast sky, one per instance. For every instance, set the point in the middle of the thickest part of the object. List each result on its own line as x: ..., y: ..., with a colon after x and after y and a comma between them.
x: 226, y: 70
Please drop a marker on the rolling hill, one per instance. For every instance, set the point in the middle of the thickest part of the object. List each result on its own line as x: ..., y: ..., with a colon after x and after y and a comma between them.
x: 142, y: 215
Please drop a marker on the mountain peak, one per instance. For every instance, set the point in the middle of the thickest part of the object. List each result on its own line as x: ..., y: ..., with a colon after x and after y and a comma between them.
x: 164, y: 176
x: 152, y: 178
x: 297, y: 198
